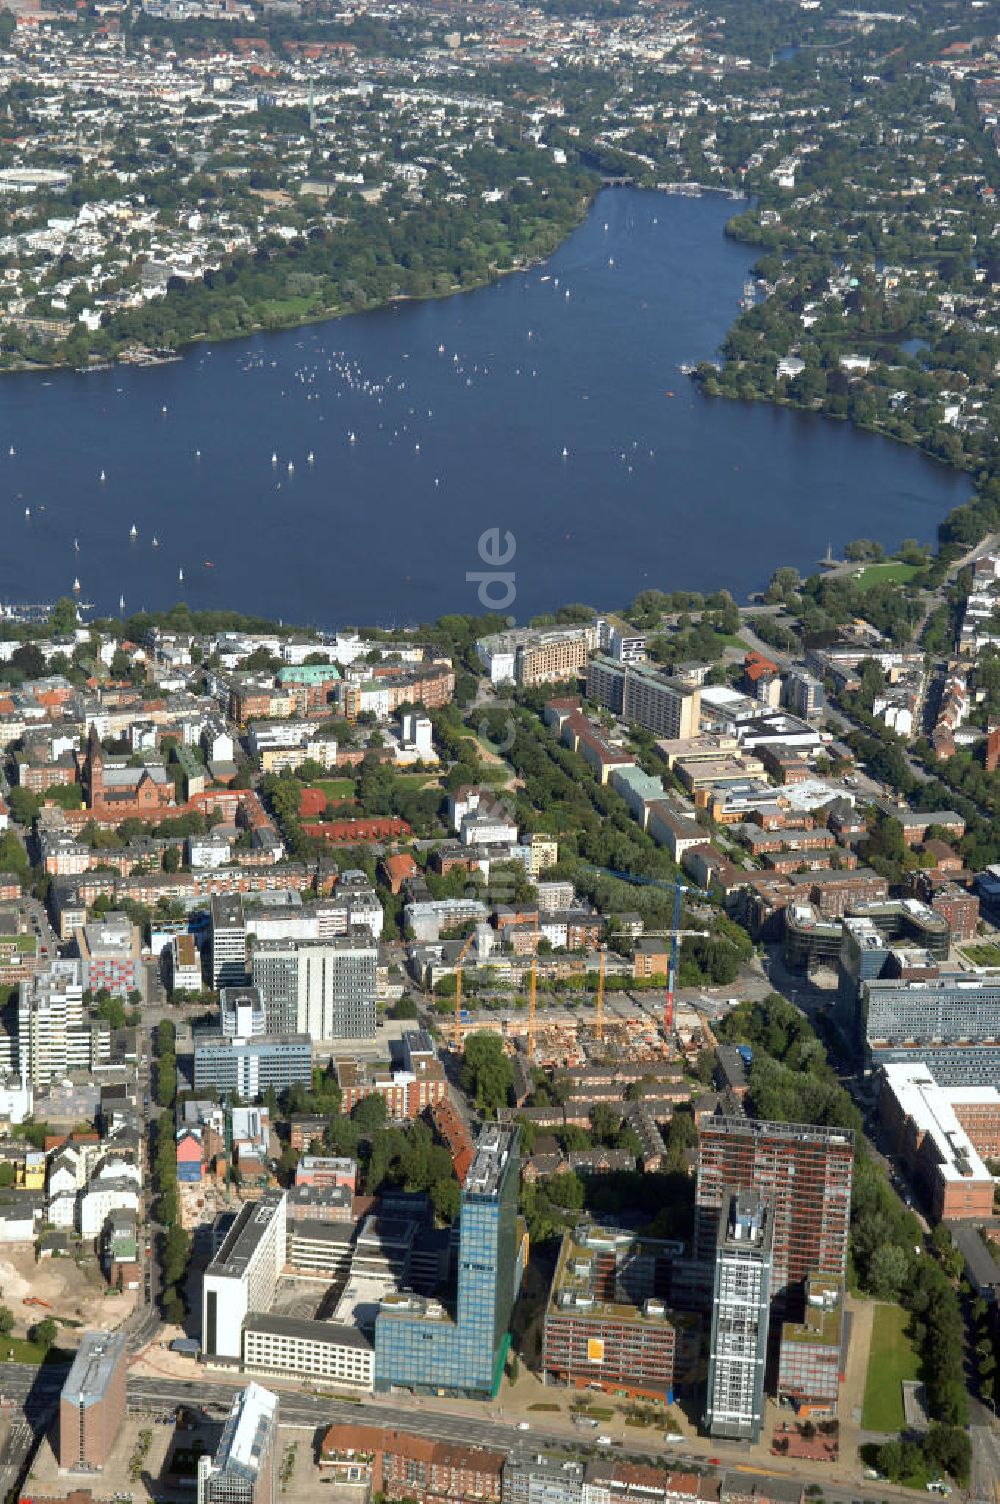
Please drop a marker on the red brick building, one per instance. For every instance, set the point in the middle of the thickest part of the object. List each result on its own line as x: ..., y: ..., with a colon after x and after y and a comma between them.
x: 37, y: 777
x: 304, y: 1129
x: 326, y: 1172
x: 402, y: 1466
x: 961, y: 909
x: 116, y: 791
x: 406, y: 1094
x: 429, y: 684
x: 455, y: 1135
x: 396, y: 869
x: 355, y: 832
x: 993, y: 751
x: 92, y: 1403
x: 75, y: 1496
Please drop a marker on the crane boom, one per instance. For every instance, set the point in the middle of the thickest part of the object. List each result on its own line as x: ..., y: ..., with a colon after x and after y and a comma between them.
x: 457, y: 1041
x: 675, y: 946
x: 675, y: 933
x: 531, y: 1007
x: 599, y: 1024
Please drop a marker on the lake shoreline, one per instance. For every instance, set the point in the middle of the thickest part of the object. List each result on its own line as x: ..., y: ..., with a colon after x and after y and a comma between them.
x: 349, y: 474
x: 286, y: 326
x: 283, y: 326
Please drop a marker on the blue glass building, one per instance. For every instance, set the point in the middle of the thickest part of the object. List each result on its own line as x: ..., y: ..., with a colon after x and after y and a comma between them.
x: 421, y: 1346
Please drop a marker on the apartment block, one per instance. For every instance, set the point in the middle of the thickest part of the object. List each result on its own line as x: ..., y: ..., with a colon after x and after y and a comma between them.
x: 413, y: 1083
x: 399, y: 1465
x: 645, y: 696
x: 185, y: 964
x: 805, y: 1174
x: 110, y: 951
x: 323, y: 988
x: 608, y: 1324
x: 229, y: 941
x: 958, y: 907
x: 53, y: 1035
x: 530, y: 655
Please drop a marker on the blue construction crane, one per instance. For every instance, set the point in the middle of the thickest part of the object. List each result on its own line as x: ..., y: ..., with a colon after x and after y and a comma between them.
x: 675, y: 932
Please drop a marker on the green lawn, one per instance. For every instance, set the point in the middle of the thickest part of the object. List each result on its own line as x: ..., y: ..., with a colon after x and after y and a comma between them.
x: 336, y: 788
x: 892, y: 572
x: 983, y: 955
x: 20, y: 1350
x: 891, y: 1360
x: 343, y: 788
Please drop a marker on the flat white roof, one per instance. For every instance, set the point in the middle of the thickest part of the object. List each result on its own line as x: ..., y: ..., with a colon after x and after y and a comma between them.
x: 246, y: 1438
x: 931, y: 1108
x: 359, y: 1304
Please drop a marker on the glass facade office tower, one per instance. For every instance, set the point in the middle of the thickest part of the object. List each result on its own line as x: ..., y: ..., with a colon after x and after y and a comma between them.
x: 422, y: 1347
x: 741, y: 1300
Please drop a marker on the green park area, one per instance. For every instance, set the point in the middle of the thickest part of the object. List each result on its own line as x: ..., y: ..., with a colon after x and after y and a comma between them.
x: 336, y: 788
x: 891, y: 1361
x: 893, y: 572
x: 983, y: 955
x: 346, y: 788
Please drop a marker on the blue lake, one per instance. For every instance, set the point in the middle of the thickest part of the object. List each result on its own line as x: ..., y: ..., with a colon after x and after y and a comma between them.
x: 460, y: 411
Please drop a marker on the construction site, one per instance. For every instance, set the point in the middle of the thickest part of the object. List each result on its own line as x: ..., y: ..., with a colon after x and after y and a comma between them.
x: 36, y: 1288
x: 551, y: 1033
x: 641, y: 1026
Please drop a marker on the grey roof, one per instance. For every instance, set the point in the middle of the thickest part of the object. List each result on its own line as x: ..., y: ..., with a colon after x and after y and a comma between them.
x: 302, y: 1197
x: 982, y: 1266
x: 227, y: 911
x: 244, y: 1236
x: 129, y: 777
x: 93, y: 1367
x: 316, y: 1231
x: 308, y: 1331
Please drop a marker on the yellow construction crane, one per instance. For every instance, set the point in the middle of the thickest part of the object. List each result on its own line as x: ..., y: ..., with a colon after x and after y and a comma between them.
x: 599, y: 1023
x: 531, y: 992
x: 531, y: 1007
x: 457, y: 1041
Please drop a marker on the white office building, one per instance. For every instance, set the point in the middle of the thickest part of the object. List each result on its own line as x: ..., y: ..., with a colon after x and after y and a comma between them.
x: 242, y: 1277
x: 323, y: 988
x: 229, y: 941
x: 241, y: 1013
x: 327, y: 1350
